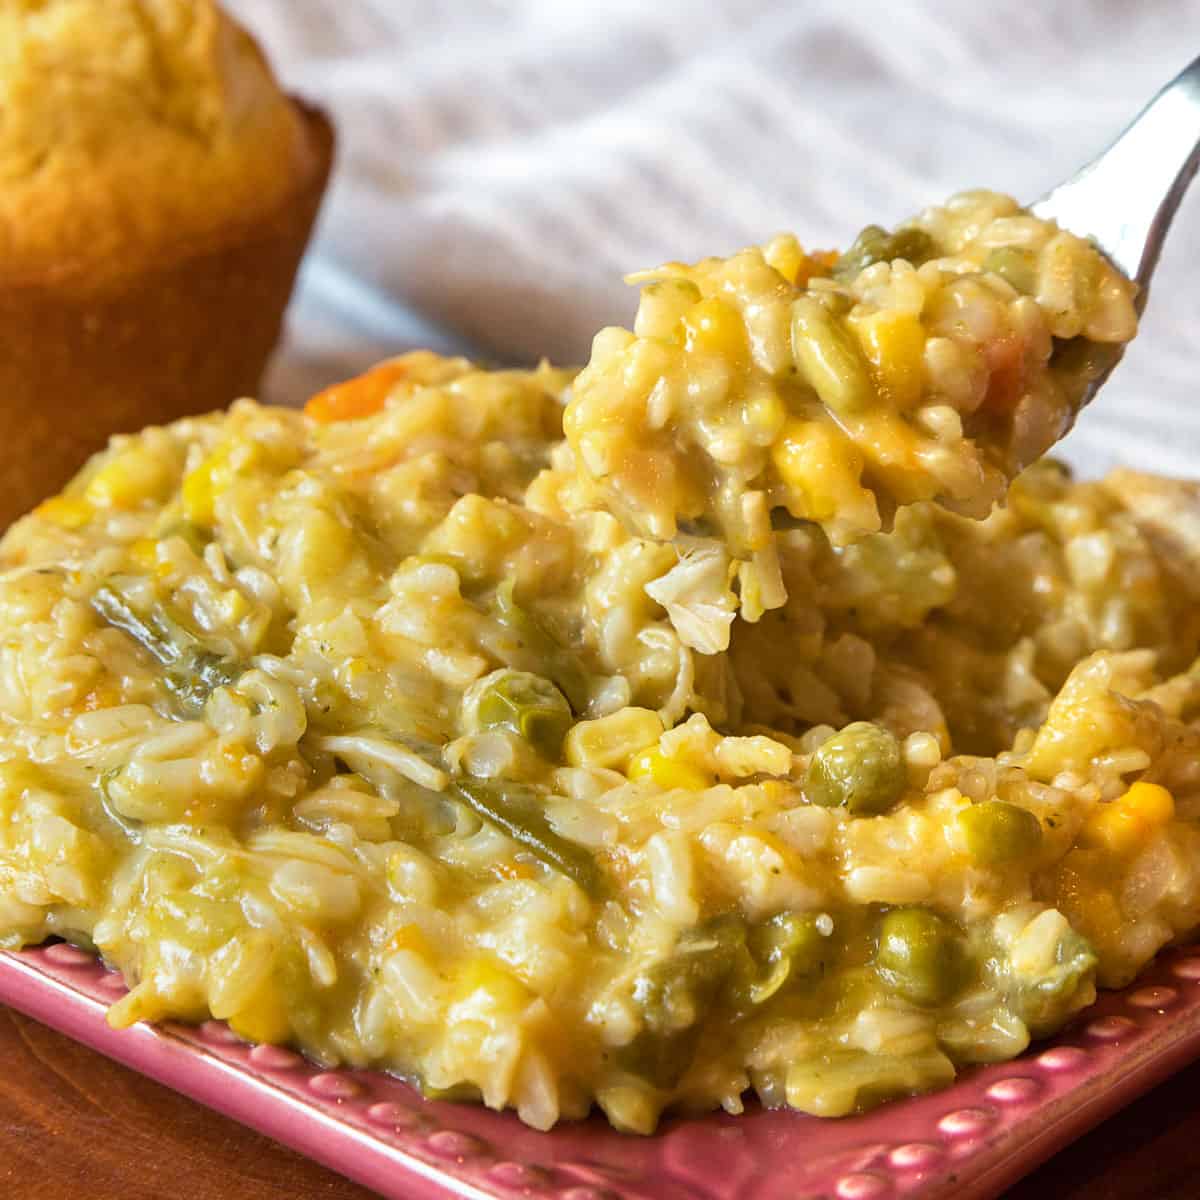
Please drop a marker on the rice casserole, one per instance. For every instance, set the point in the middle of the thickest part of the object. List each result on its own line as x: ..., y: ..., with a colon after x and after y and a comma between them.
x: 754, y: 736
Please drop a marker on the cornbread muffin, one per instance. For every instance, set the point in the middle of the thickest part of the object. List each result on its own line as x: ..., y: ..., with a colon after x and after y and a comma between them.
x: 157, y: 190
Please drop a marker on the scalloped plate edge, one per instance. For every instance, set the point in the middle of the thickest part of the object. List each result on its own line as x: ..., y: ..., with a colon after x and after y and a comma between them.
x: 242, y: 1095
x: 968, y: 1142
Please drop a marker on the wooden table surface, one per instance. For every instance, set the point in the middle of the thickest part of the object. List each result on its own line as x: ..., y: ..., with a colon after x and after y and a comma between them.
x: 76, y: 1126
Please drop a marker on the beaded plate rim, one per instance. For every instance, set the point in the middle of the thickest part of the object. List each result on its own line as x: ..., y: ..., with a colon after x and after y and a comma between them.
x: 969, y: 1141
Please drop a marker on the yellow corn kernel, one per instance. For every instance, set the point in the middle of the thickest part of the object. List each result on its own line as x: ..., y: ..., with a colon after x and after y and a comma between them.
x: 715, y: 327
x: 109, y: 488
x: 513, y: 870
x: 144, y: 553
x: 500, y: 988
x: 265, y: 1019
x: 244, y: 767
x: 613, y: 740
x: 667, y: 773
x: 234, y: 606
x: 104, y: 696
x: 410, y: 937
x: 775, y: 791
x: 765, y: 413
x: 1096, y: 913
x: 822, y: 469
x: 1151, y: 802
x: 198, y: 495
x: 893, y: 343
x: 202, y: 485
x: 65, y: 511
x: 789, y: 258
x: 1123, y: 826
x: 804, y: 452
x: 127, y: 478
x: 1081, y: 896
x: 1115, y: 829
x: 786, y: 255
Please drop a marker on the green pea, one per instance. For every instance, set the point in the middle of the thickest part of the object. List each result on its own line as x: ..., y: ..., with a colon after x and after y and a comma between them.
x: 861, y: 768
x: 1016, y: 267
x: 867, y: 248
x: 1044, y: 996
x: 530, y: 706
x: 788, y: 946
x: 996, y: 832
x: 874, y: 244
x: 919, y: 955
x: 913, y: 245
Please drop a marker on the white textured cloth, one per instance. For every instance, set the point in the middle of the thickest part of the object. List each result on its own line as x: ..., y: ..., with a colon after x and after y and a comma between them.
x: 504, y: 162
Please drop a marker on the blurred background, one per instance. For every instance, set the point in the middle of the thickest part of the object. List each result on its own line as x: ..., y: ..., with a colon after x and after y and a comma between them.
x: 503, y: 163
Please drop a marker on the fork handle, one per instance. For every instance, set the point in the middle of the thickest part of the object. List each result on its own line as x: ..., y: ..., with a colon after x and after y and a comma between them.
x: 1125, y: 199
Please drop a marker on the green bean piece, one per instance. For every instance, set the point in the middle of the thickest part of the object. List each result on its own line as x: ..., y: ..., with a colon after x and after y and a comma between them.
x: 149, y: 632
x: 667, y: 991
x: 552, y: 658
x: 996, y: 832
x: 517, y: 811
x: 919, y: 956
x: 1016, y: 267
x: 861, y: 768
x: 529, y: 706
x: 787, y: 946
x: 829, y: 358
x: 192, y: 672
x: 874, y: 244
x: 674, y: 995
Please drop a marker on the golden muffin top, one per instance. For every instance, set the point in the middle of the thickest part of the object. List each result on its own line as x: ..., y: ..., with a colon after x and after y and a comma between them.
x: 128, y: 127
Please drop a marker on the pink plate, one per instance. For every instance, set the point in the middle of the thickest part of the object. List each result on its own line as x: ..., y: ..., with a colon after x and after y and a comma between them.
x: 968, y: 1142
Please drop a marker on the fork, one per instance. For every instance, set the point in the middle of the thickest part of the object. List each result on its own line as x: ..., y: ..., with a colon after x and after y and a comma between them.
x: 1124, y: 199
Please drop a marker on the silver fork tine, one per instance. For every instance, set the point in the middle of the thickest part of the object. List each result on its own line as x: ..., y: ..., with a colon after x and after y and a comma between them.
x: 1125, y: 199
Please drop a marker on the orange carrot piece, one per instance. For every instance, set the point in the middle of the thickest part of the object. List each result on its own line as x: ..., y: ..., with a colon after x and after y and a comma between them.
x: 362, y: 396
x: 815, y: 263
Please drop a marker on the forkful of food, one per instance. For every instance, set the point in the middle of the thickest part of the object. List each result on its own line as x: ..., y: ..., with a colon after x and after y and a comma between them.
x: 931, y: 363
